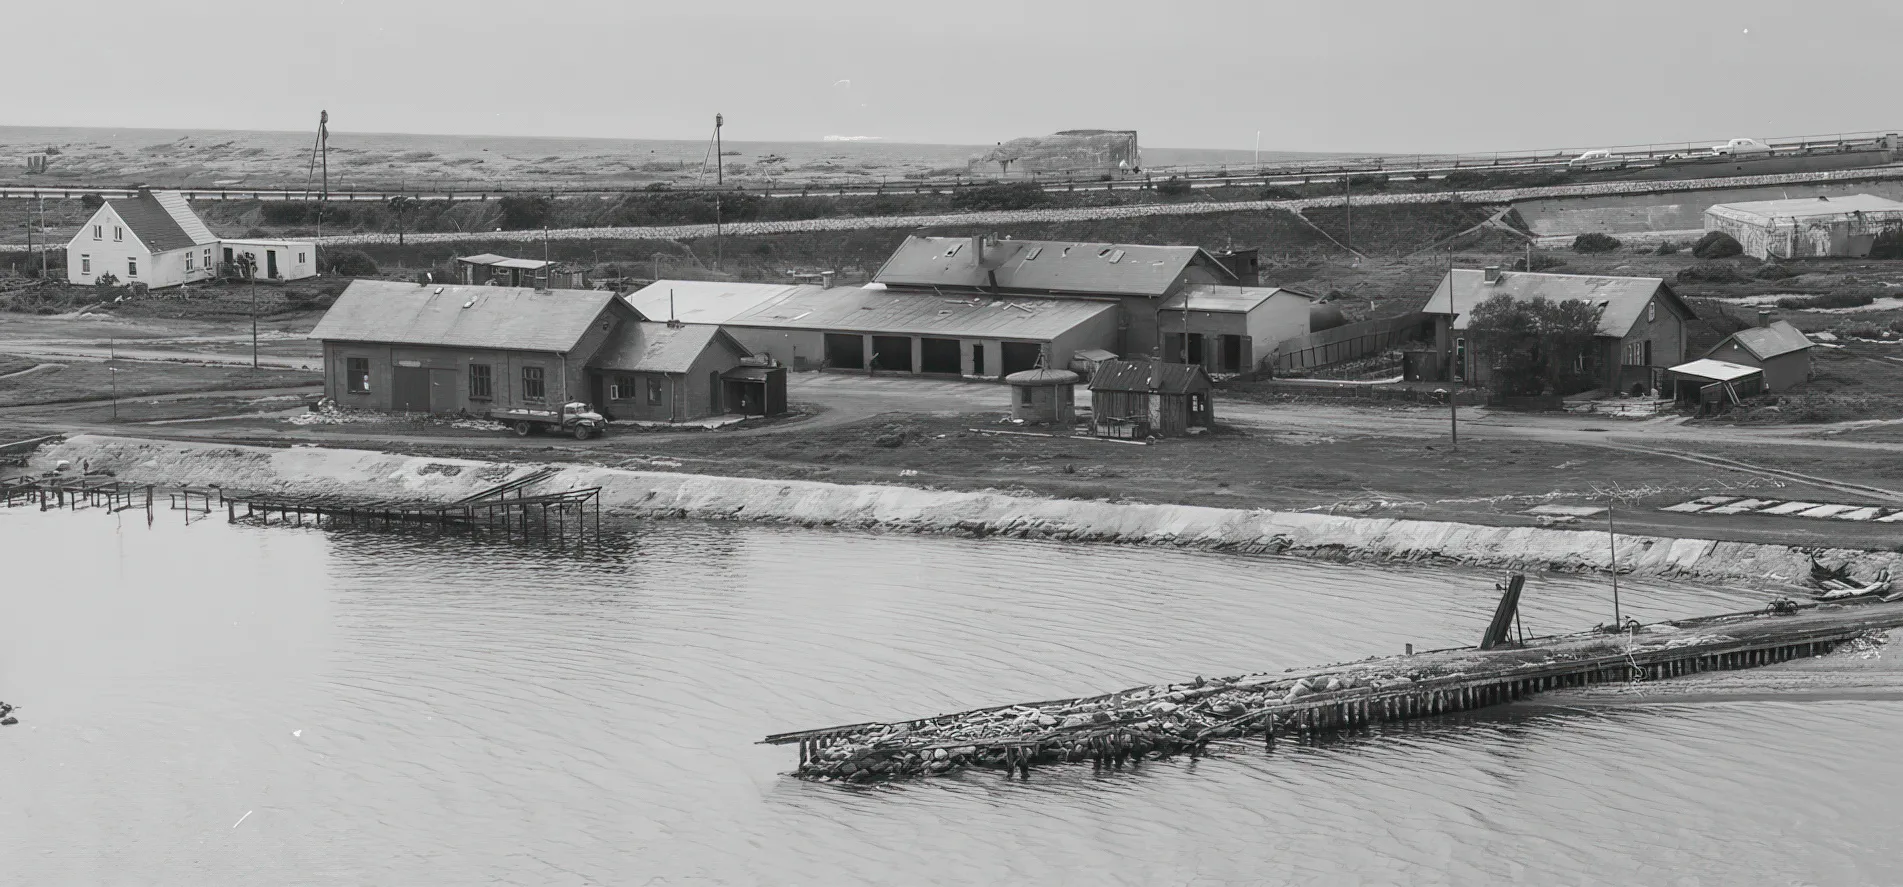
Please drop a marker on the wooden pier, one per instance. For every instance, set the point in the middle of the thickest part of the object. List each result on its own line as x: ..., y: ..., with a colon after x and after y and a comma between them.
x: 1160, y: 721
x: 506, y: 508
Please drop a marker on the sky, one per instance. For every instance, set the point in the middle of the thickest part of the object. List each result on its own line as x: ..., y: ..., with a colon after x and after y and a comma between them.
x: 1338, y: 75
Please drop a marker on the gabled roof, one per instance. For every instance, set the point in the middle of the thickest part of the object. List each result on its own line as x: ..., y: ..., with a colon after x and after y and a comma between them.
x: 1043, y: 266
x: 1624, y: 298
x: 484, y: 259
x: 1227, y: 299
x: 162, y: 220
x: 649, y: 347
x: 1716, y: 370
x: 862, y: 310
x: 1766, y: 342
x: 708, y: 301
x: 1149, y: 376
x: 498, y: 317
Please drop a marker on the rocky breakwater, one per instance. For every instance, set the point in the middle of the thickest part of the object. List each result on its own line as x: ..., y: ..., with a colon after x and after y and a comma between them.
x: 661, y: 495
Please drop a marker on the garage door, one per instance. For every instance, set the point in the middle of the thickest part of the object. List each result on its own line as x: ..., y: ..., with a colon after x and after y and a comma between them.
x: 892, y: 353
x: 409, y: 390
x: 1020, y: 356
x: 845, y: 352
x: 938, y: 356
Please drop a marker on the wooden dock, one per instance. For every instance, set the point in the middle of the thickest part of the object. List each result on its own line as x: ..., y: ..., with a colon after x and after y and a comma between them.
x: 1160, y: 721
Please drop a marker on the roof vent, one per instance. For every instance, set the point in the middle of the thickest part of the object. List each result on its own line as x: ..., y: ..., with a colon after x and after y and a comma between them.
x: 439, y: 290
x: 1116, y: 257
x: 1493, y: 273
x: 471, y: 303
x: 1033, y: 253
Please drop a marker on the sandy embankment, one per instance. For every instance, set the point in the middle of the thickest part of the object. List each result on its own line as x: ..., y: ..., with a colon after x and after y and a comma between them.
x: 654, y: 494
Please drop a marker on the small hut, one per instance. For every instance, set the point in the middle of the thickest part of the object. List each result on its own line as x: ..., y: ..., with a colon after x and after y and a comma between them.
x: 1149, y: 398
x: 1040, y: 396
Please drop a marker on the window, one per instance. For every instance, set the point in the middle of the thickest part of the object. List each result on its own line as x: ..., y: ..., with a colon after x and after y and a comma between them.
x: 1024, y: 396
x: 85, y: 264
x: 357, y: 375
x: 654, y: 391
x: 118, y: 233
x: 300, y: 258
x: 99, y: 232
x: 208, y: 258
x: 132, y: 267
x: 532, y: 383
x: 188, y: 261
x: 622, y: 388
x: 479, y: 387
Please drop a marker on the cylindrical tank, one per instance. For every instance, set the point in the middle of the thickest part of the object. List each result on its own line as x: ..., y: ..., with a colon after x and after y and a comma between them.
x: 1043, y: 396
x: 1324, y: 316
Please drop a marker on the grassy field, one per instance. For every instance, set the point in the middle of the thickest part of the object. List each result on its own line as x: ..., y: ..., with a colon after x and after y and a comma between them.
x: 95, y: 381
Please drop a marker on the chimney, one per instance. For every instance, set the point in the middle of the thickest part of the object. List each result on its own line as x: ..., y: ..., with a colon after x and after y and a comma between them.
x: 1764, y: 317
x: 826, y: 279
x: 1493, y: 273
x: 978, y: 249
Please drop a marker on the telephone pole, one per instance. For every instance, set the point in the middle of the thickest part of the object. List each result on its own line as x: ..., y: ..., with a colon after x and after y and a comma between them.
x: 720, y: 168
x: 1453, y: 395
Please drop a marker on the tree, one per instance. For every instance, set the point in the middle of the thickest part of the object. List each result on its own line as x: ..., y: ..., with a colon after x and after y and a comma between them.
x: 1532, y: 345
x: 521, y: 212
x: 1716, y: 245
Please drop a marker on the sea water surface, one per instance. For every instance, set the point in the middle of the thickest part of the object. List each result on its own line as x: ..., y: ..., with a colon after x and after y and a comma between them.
x: 215, y: 704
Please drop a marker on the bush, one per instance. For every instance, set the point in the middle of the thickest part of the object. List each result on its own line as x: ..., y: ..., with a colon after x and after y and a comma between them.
x: 1364, y: 182
x: 288, y: 212
x: 1717, y: 245
x: 521, y: 212
x: 1863, y: 329
x: 1826, y: 300
x: 1541, y: 262
x: 1668, y: 248
x: 1710, y: 272
x: 1013, y: 195
x: 1773, y: 271
x: 1888, y: 245
x: 1277, y: 192
x: 1174, y: 186
x: 1595, y: 242
x: 91, y: 201
x: 347, y: 263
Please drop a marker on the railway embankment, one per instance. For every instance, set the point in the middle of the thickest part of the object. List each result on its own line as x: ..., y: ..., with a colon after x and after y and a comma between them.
x: 313, y: 471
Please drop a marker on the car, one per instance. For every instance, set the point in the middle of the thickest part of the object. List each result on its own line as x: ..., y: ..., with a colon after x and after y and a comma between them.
x: 1736, y: 147
x: 1595, y: 159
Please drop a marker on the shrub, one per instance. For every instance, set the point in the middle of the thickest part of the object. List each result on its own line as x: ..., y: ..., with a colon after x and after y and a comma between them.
x: 1364, y: 182
x: 1011, y: 195
x: 1668, y: 248
x: 1826, y: 300
x: 1710, y: 272
x: 522, y: 212
x: 288, y: 212
x: 1541, y: 262
x: 1278, y: 192
x: 1888, y: 245
x: 1174, y: 186
x: 1717, y: 245
x: 1862, y: 329
x: 1594, y: 242
x: 92, y: 201
x: 1773, y: 271
x: 347, y: 263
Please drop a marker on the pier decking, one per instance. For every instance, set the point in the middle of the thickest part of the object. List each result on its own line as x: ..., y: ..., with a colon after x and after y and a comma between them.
x: 1159, y: 721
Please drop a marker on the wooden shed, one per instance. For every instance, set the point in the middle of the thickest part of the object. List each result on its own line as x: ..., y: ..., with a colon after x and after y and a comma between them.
x: 1149, y: 398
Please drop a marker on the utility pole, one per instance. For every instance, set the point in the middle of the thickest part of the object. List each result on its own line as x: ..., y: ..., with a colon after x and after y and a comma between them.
x: 720, y: 168
x: 1348, y: 193
x: 1453, y: 396
x: 112, y: 371
x: 251, y: 271
x: 42, y: 236
x: 1612, y: 538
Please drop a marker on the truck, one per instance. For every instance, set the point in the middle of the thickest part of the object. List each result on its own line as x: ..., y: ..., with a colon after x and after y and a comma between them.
x: 1736, y: 147
x: 574, y: 418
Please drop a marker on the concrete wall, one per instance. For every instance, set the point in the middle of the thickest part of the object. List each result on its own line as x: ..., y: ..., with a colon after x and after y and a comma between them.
x: 799, y: 349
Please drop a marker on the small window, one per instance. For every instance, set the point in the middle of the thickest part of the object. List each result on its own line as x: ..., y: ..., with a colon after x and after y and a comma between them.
x: 300, y: 258
x: 357, y: 375
x: 118, y: 233
x: 1651, y: 312
x: 532, y: 383
x: 1116, y: 257
x: 622, y: 388
x: 207, y: 258
x: 99, y: 232
x: 1024, y: 396
x: 132, y: 267
x: 188, y: 261
x: 480, y: 387
x: 85, y: 264
x: 654, y: 391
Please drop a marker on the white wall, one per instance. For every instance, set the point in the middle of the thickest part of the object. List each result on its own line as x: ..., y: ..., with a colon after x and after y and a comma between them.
x: 1282, y: 316
x: 289, y: 252
x: 87, y: 259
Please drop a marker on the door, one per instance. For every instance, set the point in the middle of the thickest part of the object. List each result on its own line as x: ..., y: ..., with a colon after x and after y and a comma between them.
x: 938, y: 356
x: 1232, y: 354
x: 845, y: 351
x: 409, y: 390
x: 713, y: 394
x: 270, y: 264
x: 892, y: 353
x: 1019, y: 356
x: 977, y: 360
x: 442, y: 390
x: 228, y: 258
x: 1195, y: 348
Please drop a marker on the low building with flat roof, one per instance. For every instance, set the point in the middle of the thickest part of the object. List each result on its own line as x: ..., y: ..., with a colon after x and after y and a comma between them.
x: 1807, y: 226
x: 1230, y: 329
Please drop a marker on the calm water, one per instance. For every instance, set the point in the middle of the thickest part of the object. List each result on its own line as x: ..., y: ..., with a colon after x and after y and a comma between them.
x: 388, y: 710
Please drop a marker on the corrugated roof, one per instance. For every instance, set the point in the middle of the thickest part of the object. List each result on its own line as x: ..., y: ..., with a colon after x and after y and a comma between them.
x: 1624, y: 298
x: 649, y: 347
x: 1226, y: 299
x: 1716, y: 370
x: 707, y: 301
x: 1148, y: 376
x: 1806, y: 207
x: 1766, y: 342
x: 857, y: 309
x: 499, y: 317
x: 156, y: 225
x: 1042, y: 266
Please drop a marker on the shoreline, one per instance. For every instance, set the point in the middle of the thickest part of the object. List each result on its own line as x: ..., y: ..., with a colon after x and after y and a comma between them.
x: 665, y: 495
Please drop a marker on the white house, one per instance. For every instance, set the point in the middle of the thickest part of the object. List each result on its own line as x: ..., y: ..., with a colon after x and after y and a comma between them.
x: 154, y: 238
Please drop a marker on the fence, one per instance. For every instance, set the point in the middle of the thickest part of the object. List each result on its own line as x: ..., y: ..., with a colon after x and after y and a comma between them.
x: 1345, y: 343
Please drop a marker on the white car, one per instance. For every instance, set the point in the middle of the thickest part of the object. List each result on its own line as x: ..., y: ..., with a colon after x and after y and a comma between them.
x: 1740, y: 146
x: 1595, y: 159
